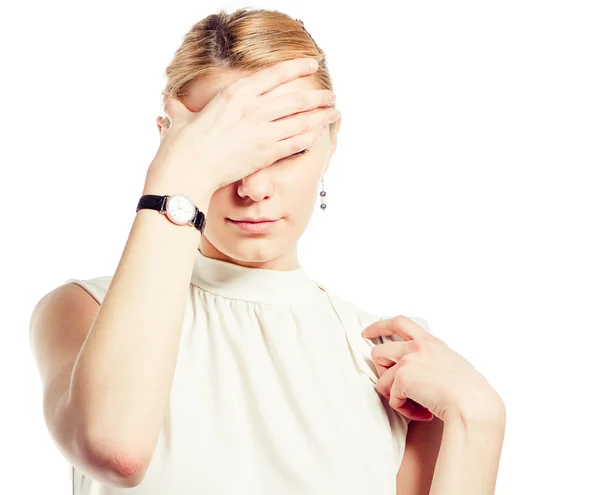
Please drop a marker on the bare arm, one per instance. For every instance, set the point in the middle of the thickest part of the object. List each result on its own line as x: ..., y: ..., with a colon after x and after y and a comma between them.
x: 420, y: 455
x: 106, y: 391
x: 122, y: 378
x: 107, y: 370
x: 469, y: 456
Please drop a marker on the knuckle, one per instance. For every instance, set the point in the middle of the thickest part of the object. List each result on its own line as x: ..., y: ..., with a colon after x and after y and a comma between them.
x: 276, y: 74
x: 230, y: 91
x: 304, y: 125
x: 433, y: 339
x: 307, y: 126
x: 327, y: 118
x: 263, y: 145
x: 403, y: 361
x: 269, y: 155
x: 375, y: 353
x: 300, y: 102
x: 297, y: 145
x: 399, y: 374
x: 227, y: 94
x: 291, y: 147
x: 417, y: 345
x: 399, y: 319
x: 285, y: 73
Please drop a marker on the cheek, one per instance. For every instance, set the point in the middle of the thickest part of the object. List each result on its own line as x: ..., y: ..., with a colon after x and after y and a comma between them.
x: 302, y: 198
x: 218, y: 202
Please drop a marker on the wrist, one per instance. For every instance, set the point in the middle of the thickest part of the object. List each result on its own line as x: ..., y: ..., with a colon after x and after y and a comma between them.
x: 158, y: 182
x: 487, y: 411
x: 201, y: 199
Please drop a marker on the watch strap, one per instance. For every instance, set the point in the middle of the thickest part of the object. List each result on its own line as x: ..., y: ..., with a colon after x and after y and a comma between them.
x: 152, y: 202
x: 158, y: 203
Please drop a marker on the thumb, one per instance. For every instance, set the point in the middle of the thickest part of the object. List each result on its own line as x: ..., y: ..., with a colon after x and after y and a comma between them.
x: 175, y: 110
x: 415, y: 411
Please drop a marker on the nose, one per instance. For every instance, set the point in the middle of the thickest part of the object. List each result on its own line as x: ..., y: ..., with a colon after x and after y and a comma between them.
x: 256, y: 186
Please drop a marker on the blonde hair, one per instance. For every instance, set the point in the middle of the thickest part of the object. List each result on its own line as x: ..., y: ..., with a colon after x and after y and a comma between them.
x: 247, y: 40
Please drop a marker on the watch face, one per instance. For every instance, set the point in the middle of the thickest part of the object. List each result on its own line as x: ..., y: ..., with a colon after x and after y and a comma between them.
x: 180, y: 209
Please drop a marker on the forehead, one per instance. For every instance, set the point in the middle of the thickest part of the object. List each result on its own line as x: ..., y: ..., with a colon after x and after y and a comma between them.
x: 203, y: 91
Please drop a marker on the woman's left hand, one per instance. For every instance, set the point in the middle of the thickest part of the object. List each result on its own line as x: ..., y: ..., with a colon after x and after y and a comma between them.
x: 422, y: 377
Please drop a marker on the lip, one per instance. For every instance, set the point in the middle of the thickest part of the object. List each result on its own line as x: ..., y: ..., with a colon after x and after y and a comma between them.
x: 254, y: 226
x: 253, y: 220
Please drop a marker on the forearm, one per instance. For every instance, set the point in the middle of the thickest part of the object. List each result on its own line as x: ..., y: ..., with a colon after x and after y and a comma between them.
x: 122, y: 378
x: 469, y: 455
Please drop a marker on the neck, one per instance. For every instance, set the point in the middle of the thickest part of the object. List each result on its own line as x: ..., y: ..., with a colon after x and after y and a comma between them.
x: 252, y: 257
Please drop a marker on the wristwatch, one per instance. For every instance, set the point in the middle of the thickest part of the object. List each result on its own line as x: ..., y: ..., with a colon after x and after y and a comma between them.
x: 178, y: 208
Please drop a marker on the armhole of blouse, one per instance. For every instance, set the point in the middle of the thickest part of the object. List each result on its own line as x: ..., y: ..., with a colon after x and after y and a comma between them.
x: 95, y: 287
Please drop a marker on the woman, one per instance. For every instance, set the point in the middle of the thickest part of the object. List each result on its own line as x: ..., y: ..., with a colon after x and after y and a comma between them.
x: 214, y: 364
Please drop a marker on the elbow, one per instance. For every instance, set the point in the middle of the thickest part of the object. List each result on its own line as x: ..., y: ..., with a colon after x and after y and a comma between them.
x: 117, y: 466
x: 124, y: 472
x: 93, y: 454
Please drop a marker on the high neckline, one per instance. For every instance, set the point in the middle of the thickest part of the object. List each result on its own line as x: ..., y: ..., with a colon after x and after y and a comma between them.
x: 257, y: 285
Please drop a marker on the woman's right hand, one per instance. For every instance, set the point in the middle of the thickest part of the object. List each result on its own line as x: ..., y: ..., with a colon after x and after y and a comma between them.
x: 241, y: 130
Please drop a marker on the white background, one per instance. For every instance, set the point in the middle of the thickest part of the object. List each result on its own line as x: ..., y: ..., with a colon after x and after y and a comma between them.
x: 464, y: 190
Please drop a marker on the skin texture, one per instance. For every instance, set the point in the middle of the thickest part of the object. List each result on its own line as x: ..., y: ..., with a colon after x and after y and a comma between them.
x: 424, y: 369
x: 287, y: 189
x: 423, y: 442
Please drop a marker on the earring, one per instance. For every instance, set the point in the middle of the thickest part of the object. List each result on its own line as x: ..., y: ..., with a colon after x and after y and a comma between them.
x: 323, y: 194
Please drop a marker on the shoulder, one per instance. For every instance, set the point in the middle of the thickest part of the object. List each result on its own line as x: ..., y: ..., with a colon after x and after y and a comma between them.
x: 364, y: 317
x: 96, y: 286
x: 353, y: 310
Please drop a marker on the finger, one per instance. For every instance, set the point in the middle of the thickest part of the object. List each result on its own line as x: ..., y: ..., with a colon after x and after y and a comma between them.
x: 394, y: 391
x: 398, y: 325
x: 175, y: 110
x: 389, y: 353
x: 385, y: 381
x: 302, y: 122
x: 381, y: 369
x: 277, y: 107
x: 297, y: 143
x: 267, y: 79
x: 409, y: 408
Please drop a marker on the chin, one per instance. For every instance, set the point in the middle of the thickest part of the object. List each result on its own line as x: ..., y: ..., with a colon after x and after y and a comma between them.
x: 253, y: 249
x: 257, y: 250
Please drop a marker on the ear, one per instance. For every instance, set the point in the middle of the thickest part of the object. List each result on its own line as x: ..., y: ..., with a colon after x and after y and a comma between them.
x: 162, y: 124
x: 333, y: 133
x: 333, y: 141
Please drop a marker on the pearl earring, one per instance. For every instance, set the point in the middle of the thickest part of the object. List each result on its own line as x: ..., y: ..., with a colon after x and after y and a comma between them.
x: 323, y: 194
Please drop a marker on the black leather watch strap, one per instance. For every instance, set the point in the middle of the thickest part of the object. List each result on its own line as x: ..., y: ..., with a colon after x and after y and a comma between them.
x: 158, y: 203
x: 152, y: 202
x: 199, y: 220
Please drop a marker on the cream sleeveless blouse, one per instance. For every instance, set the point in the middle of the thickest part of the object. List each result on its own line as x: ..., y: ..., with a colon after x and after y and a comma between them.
x: 273, y: 393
